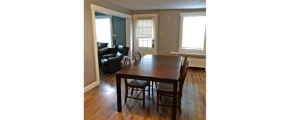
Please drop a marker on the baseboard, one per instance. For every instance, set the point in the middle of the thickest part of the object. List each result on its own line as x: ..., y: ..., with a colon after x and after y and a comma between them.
x: 201, y: 68
x: 91, y: 86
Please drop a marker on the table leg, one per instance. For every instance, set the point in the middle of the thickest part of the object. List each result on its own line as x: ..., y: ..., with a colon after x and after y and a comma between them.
x: 119, y: 101
x: 174, y: 100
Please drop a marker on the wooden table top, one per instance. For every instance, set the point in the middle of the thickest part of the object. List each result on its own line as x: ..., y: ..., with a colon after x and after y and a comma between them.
x: 155, y: 67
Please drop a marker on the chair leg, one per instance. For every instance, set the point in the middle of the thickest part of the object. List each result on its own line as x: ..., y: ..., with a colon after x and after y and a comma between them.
x: 143, y: 97
x: 152, y: 86
x: 179, y: 105
x: 126, y: 94
x: 158, y: 101
x: 148, y: 90
x: 132, y: 89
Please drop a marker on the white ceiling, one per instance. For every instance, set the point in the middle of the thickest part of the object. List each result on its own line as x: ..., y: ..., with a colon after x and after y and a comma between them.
x: 159, y: 4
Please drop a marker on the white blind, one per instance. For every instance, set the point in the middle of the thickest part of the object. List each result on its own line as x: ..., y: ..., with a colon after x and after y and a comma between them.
x: 145, y: 32
x: 103, y: 30
x: 144, y: 28
x: 193, y: 32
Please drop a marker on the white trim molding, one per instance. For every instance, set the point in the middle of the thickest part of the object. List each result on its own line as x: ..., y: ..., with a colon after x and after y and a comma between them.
x: 193, y: 14
x: 96, y: 8
x: 145, y: 15
x: 103, y: 10
x: 90, y: 86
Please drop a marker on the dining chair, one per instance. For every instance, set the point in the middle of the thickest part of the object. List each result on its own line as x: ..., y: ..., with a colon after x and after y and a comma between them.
x: 131, y: 84
x: 166, y: 89
x: 138, y: 56
x: 183, y: 61
x: 125, y: 62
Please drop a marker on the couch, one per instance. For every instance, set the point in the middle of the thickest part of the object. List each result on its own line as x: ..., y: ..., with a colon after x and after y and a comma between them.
x: 102, y: 49
x: 111, y: 61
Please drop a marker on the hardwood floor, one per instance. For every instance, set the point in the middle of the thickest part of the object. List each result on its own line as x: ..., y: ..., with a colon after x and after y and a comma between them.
x: 100, y: 103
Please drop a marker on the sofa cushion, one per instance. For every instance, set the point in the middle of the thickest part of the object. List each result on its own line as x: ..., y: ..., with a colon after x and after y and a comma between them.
x: 103, y: 51
x: 102, y: 45
x: 108, y: 55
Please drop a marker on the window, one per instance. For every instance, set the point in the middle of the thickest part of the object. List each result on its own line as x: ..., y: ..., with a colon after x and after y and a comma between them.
x: 103, y: 30
x: 145, y: 32
x: 192, y: 31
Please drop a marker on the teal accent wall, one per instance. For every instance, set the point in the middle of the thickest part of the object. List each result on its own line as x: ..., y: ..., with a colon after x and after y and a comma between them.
x: 100, y: 14
x: 119, y: 30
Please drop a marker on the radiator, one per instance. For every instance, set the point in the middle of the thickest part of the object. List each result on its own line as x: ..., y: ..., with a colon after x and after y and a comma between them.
x: 197, y: 61
x: 194, y: 59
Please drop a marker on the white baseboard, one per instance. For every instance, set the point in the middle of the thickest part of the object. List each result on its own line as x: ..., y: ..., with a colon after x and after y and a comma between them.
x: 91, y: 86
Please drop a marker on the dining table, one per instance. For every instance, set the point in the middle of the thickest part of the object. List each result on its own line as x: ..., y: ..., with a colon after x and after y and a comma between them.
x: 159, y: 68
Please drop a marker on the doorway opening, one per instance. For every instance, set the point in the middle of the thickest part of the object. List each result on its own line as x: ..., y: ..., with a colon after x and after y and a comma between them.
x: 103, y: 32
x: 145, y: 33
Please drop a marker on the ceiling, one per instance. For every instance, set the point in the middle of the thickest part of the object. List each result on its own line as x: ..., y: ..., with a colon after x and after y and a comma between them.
x: 159, y: 4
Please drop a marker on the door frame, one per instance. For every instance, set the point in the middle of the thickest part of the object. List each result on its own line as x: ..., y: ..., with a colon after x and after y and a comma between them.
x: 129, y: 38
x: 155, y: 19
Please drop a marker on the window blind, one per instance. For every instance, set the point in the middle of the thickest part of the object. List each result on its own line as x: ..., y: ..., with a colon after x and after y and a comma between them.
x: 144, y: 28
x: 145, y: 32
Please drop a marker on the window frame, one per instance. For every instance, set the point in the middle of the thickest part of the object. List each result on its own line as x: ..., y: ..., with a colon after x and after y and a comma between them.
x: 182, y: 15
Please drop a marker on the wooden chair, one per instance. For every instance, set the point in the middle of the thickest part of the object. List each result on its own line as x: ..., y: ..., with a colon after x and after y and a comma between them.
x: 166, y: 89
x: 125, y: 62
x: 132, y: 84
x: 137, y: 57
x: 184, y: 59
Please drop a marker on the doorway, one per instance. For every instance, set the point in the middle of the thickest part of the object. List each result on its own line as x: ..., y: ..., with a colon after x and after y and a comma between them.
x: 128, y: 37
x: 145, y: 32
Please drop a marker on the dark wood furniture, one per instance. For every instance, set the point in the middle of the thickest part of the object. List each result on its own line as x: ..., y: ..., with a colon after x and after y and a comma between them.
x: 126, y: 61
x: 154, y: 68
x: 131, y: 84
x: 165, y: 89
x: 137, y: 56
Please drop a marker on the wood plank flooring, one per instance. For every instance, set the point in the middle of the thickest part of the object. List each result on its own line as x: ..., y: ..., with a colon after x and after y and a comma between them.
x: 100, y: 103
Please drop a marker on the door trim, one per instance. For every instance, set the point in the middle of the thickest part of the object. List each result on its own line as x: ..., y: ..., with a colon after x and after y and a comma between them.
x: 155, y: 18
x: 129, y: 38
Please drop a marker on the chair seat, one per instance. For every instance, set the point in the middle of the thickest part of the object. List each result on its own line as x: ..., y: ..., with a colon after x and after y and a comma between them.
x: 141, y: 83
x: 166, y: 87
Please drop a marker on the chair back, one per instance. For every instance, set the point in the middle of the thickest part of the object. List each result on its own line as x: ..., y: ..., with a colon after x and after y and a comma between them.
x: 183, y: 62
x: 125, y: 62
x: 183, y: 76
x: 137, y: 56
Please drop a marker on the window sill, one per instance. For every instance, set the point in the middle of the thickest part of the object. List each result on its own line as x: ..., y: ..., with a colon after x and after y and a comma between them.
x: 201, y: 55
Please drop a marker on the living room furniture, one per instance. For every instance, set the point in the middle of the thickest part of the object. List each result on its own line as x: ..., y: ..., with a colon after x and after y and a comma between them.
x: 102, y: 50
x: 111, y: 62
x: 153, y: 68
x: 131, y: 84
